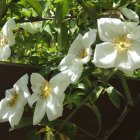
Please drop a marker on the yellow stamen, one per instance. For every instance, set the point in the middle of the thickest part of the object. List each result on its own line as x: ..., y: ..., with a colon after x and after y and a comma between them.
x: 122, y: 44
x: 82, y: 54
x: 33, y: 23
x: 12, y: 99
x: 3, y: 41
x: 45, y: 90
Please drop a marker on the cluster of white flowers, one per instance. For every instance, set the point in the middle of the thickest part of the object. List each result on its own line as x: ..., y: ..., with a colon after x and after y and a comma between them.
x: 120, y: 49
x: 6, y: 39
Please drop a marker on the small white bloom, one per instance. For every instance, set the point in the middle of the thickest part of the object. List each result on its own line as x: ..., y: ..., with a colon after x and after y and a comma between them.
x: 6, y: 39
x: 131, y: 15
x: 12, y: 106
x: 32, y: 27
x: 48, y: 95
x: 79, y: 52
x: 121, y: 47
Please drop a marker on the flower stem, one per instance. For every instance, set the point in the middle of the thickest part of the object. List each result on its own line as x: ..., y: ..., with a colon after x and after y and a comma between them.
x: 84, y: 131
x: 117, y: 123
x: 126, y: 89
x: 72, y: 113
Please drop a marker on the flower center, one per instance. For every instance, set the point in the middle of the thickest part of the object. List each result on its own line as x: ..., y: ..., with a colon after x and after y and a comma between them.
x: 3, y: 41
x: 33, y: 23
x: 12, y: 99
x: 45, y: 90
x: 82, y: 54
x: 122, y: 44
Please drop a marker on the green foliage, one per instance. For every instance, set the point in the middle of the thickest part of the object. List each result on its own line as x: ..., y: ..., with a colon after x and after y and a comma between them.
x: 36, y: 5
x: 113, y: 96
x: 61, y: 10
x: 96, y: 93
x: 32, y: 135
x: 24, y: 122
x: 62, y: 21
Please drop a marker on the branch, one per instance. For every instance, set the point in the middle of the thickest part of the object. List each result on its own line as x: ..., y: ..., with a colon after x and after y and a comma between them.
x: 117, y: 123
x: 124, y: 114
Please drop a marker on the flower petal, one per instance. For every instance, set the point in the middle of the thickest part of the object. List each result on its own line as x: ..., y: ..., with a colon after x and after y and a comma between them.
x: 10, y: 36
x: 32, y: 99
x: 104, y: 55
x: 22, y: 81
x: 11, y: 114
x: 124, y: 63
x: 16, y: 117
x: 89, y: 38
x: 109, y: 28
x: 60, y: 82
x: 66, y: 62
x: 76, y: 45
x: 4, y: 109
x: 75, y: 73
x: 79, y: 62
x: 9, y: 25
x: 135, y: 35
x: 134, y: 54
x: 53, y: 109
x: 5, y: 53
x: 37, y: 79
x: 39, y: 112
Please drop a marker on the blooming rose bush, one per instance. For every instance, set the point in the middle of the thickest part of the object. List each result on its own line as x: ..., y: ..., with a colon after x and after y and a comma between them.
x: 77, y: 50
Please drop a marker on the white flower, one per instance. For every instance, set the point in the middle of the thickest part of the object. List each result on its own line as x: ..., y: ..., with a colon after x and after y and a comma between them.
x: 79, y: 52
x: 131, y: 15
x: 121, y: 46
x: 12, y: 106
x: 32, y: 27
x: 48, y: 95
x: 6, y: 39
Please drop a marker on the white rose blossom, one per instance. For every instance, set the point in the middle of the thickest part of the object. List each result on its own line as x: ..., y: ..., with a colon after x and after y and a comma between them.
x: 32, y: 27
x: 48, y: 95
x: 6, y: 39
x: 121, y: 46
x: 79, y: 53
x: 12, y: 106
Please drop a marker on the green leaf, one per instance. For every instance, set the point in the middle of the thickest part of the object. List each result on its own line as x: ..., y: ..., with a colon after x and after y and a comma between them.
x: 3, y: 8
x: 63, y: 36
x: 124, y: 2
x: 47, y: 29
x: 33, y: 135
x: 61, y: 10
x: 90, y: 9
x: 75, y: 99
x: 96, y: 93
x: 95, y: 109
x: 81, y: 86
x: 69, y: 130
x: 34, y: 59
x: 36, y: 6
x: 25, y: 121
x: 113, y: 96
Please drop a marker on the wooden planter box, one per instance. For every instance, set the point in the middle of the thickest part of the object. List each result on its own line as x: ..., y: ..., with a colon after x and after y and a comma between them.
x: 85, y: 118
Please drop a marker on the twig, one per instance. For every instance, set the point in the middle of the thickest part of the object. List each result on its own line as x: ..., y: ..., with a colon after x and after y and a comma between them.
x: 121, y: 118
x: 117, y: 123
x: 73, y: 112
x: 87, y: 133
x: 126, y: 89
